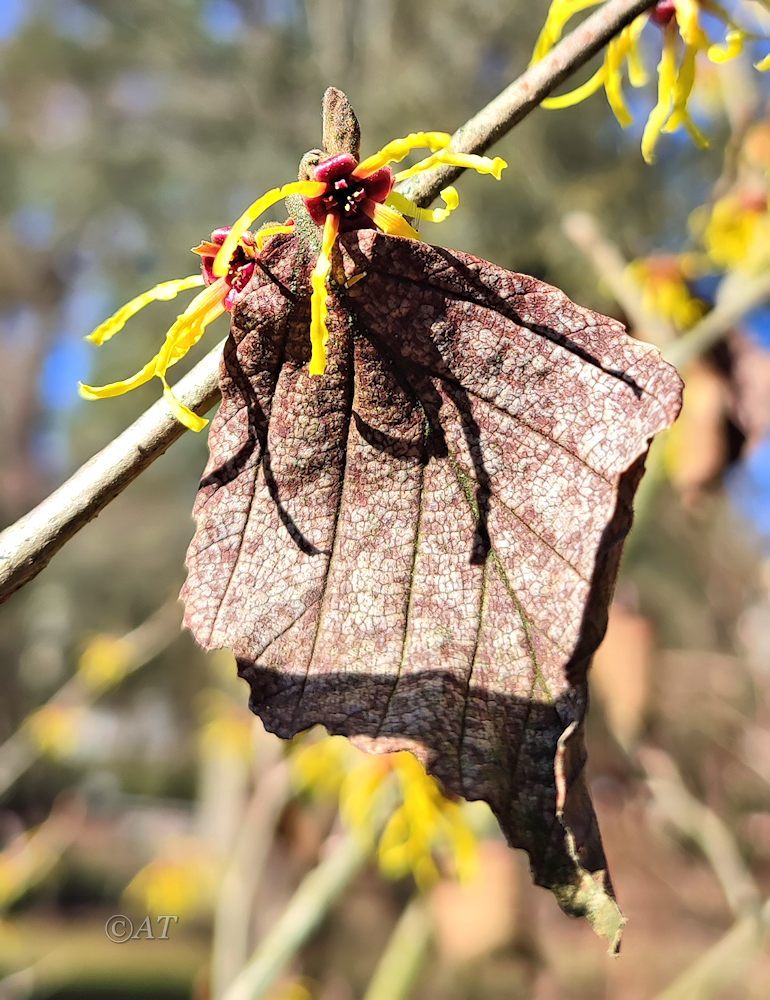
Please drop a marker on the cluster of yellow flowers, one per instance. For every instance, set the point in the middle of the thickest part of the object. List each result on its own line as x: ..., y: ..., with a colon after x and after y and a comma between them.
x: 736, y: 232
x: 425, y: 834
x: 684, y: 38
x: 663, y: 280
x: 343, y: 194
x: 731, y: 234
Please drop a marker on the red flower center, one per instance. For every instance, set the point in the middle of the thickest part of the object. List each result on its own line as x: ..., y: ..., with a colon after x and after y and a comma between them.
x: 345, y: 193
x: 241, y: 263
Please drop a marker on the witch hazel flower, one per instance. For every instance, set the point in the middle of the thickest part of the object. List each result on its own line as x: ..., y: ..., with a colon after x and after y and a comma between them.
x: 341, y: 195
x: 682, y: 37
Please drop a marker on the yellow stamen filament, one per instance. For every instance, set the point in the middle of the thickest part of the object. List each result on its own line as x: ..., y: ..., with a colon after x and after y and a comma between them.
x: 397, y: 149
x: 184, y: 334
x: 308, y: 189
x: 763, y: 65
x: 319, y: 331
x: 165, y: 291
x: 264, y: 234
x: 666, y: 82
x: 404, y: 205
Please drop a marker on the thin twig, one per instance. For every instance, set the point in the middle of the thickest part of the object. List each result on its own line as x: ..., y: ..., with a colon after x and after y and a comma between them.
x: 233, y: 916
x: 305, y: 911
x: 145, y: 642
x: 737, y: 296
x: 693, y: 819
x: 404, y: 954
x: 723, y: 968
x: 27, y: 546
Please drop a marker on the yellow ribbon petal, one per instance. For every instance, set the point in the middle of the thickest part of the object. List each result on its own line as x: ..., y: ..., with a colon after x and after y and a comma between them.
x: 308, y: 189
x: 469, y: 161
x: 183, y: 334
x: 688, y: 18
x: 397, y: 149
x: 264, y: 234
x: 729, y: 49
x: 390, y: 221
x: 680, y: 117
x: 637, y: 74
x: 118, y: 388
x: 763, y: 65
x: 613, y: 80
x: 182, y: 413
x: 406, y: 207
x: 578, y: 94
x: 559, y: 14
x: 165, y: 291
x: 666, y: 81
x: 319, y: 331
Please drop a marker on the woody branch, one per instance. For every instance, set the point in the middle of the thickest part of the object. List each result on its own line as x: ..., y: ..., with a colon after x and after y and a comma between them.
x: 27, y: 546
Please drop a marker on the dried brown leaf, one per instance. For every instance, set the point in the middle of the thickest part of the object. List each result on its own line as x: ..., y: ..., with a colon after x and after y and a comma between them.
x: 417, y: 550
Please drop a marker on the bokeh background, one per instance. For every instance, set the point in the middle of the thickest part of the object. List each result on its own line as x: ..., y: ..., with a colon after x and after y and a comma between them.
x: 133, y: 779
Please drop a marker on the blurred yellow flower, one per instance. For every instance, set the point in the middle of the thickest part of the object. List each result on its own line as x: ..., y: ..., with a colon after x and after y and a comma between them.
x: 182, y: 881
x: 425, y: 835
x: 665, y: 292
x: 736, y: 232
x: 54, y: 728
x: 684, y: 39
x: 227, y: 728
x: 292, y: 989
x: 104, y: 662
x: 426, y: 825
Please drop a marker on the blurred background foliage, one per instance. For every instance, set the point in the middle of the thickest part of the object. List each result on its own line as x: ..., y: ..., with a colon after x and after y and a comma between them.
x: 133, y: 778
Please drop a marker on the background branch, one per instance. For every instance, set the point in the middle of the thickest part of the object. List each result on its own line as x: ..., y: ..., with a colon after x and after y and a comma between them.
x: 27, y: 546
x: 526, y: 92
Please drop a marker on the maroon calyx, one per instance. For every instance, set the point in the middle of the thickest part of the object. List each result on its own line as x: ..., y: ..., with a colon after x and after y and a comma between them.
x: 663, y: 11
x: 241, y: 263
x: 346, y: 194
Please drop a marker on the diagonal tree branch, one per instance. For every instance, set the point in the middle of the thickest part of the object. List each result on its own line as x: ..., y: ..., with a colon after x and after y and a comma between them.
x: 27, y: 546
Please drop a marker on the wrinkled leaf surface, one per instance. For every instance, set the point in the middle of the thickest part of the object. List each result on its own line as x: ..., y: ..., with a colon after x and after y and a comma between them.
x: 417, y: 550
